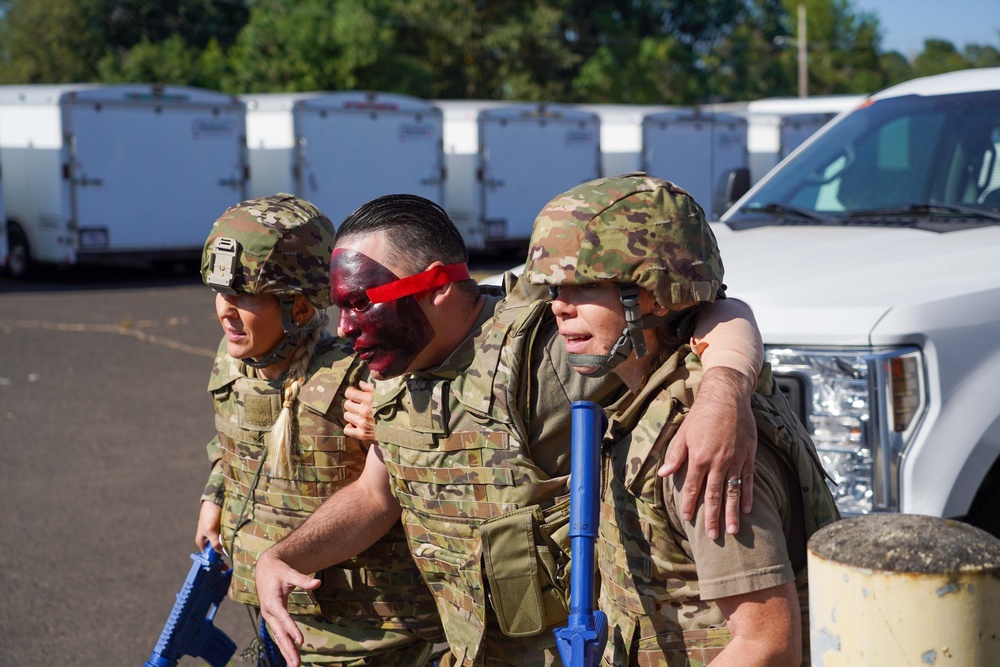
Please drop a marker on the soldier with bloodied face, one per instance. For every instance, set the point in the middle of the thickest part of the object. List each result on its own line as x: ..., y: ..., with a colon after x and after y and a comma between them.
x: 472, y: 422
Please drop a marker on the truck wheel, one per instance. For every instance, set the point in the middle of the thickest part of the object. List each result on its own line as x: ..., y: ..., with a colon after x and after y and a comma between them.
x: 985, y: 510
x: 19, y: 263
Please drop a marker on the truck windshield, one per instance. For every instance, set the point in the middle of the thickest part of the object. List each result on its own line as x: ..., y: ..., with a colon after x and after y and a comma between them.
x: 912, y: 157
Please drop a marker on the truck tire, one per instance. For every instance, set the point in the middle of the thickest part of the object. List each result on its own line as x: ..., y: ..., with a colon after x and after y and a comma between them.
x: 985, y: 510
x: 19, y: 264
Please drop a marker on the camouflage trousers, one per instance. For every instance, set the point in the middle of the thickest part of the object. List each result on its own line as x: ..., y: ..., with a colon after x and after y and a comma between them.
x: 327, y: 643
x: 499, y: 650
x: 693, y: 648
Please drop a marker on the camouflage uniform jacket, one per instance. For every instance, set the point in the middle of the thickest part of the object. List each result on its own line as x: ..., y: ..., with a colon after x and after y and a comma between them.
x: 487, y: 525
x: 649, y: 584
x: 380, y: 587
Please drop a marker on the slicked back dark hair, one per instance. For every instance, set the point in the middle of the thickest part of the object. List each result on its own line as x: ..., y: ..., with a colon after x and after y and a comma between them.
x: 419, y: 232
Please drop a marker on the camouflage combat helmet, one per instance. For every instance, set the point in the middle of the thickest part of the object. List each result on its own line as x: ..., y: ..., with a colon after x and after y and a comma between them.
x: 637, y: 231
x: 278, y: 245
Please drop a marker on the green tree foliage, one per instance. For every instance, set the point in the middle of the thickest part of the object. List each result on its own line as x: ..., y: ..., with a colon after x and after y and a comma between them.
x: 612, y: 51
x: 938, y: 56
x: 308, y: 45
x: 751, y: 61
x: 502, y: 49
x: 48, y: 41
x: 649, y: 52
x: 941, y: 56
x: 170, y: 61
x: 842, y: 47
x: 895, y: 67
x: 981, y: 55
x: 127, y: 23
x: 170, y: 41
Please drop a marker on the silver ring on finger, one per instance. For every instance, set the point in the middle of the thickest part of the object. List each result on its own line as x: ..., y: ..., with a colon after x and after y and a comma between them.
x: 733, y: 484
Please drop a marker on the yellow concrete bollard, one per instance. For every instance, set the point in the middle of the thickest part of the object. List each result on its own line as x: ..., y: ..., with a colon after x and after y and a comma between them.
x: 900, y: 589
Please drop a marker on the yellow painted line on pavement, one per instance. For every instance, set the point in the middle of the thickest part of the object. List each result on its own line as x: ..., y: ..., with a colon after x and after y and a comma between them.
x: 137, y: 330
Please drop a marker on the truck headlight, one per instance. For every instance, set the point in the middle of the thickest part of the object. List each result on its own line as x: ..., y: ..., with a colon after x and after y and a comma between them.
x: 862, y: 408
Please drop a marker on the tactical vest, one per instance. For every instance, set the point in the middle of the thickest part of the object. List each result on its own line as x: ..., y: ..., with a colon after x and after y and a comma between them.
x: 487, y: 527
x: 378, y: 588
x: 649, y: 585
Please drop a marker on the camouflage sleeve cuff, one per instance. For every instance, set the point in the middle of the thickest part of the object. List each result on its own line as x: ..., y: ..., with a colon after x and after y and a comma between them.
x: 216, y: 480
x: 214, y: 450
x: 214, y: 489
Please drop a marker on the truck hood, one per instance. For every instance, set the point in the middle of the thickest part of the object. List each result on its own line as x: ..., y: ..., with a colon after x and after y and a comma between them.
x: 815, y: 285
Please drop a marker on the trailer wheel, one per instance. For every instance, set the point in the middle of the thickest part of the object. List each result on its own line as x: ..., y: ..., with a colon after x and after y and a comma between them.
x: 19, y: 264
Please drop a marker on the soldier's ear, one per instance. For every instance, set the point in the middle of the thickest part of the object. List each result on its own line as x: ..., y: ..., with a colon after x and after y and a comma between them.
x: 438, y: 294
x: 302, y: 310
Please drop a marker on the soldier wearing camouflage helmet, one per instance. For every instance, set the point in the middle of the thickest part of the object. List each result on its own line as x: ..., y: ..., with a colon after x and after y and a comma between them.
x: 630, y: 260
x: 279, y: 383
x: 472, y: 412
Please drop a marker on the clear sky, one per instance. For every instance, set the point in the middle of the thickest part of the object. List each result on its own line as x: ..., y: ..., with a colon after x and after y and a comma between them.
x: 907, y: 23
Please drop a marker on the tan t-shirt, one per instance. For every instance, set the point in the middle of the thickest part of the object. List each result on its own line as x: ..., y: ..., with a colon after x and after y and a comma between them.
x: 757, y: 557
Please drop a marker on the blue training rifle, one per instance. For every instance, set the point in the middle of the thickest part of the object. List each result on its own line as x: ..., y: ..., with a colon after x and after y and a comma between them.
x: 582, y: 641
x: 189, y: 629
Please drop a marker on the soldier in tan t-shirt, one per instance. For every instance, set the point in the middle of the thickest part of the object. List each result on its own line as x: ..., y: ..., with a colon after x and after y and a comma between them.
x: 631, y: 260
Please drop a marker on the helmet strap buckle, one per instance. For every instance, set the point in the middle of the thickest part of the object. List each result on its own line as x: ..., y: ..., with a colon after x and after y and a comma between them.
x: 629, y: 295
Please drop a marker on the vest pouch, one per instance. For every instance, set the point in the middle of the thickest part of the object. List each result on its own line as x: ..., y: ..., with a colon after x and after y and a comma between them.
x: 257, y: 404
x: 554, y: 551
x: 510, y: 565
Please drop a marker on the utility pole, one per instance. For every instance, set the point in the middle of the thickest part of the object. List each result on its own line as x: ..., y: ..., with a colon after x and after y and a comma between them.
x: 802, y: 42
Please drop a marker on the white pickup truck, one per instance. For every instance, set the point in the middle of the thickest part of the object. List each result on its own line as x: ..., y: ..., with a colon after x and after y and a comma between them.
x: 871, y: 258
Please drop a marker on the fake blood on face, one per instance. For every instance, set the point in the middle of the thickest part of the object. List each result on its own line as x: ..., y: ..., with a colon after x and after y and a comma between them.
x: 387, y: 336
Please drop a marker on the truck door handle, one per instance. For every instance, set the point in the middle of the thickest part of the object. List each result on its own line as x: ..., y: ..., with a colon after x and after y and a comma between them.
x: 229, y: 182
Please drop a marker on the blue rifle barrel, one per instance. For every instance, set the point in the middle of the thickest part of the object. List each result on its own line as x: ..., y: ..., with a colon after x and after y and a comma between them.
x: 581, y: 642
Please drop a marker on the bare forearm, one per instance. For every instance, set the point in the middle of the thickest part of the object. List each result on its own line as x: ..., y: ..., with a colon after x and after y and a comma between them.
x: 766, y: 627
x: 726, y: 335
x: 349, y: 522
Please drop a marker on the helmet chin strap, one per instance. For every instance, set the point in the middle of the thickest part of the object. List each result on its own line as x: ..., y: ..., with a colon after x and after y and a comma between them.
x: 294, y: 333
x: 631, y: 338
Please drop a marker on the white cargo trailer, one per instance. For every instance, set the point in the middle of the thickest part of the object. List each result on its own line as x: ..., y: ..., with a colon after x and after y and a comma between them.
x: 342, y: 149
x: 696, y: 150
x: 96, y: 172
x: 528, y: 153
x: 271, y: 142
x: 461, y: 154
x: 621, y: 134
x: 4, y: 247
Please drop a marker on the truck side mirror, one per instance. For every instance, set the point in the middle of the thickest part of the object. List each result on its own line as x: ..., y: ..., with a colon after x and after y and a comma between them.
x: 735, y: 183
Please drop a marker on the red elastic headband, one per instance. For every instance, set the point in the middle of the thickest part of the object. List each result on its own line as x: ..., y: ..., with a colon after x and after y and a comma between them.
x: 421, y: 282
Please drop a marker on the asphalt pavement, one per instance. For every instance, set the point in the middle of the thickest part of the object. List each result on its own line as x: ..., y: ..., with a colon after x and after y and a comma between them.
x: 104, y: 416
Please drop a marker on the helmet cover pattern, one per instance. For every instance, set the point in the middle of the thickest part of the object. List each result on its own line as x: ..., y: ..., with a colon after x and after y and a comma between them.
x: 628, y: 229
x: 282, y: 246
